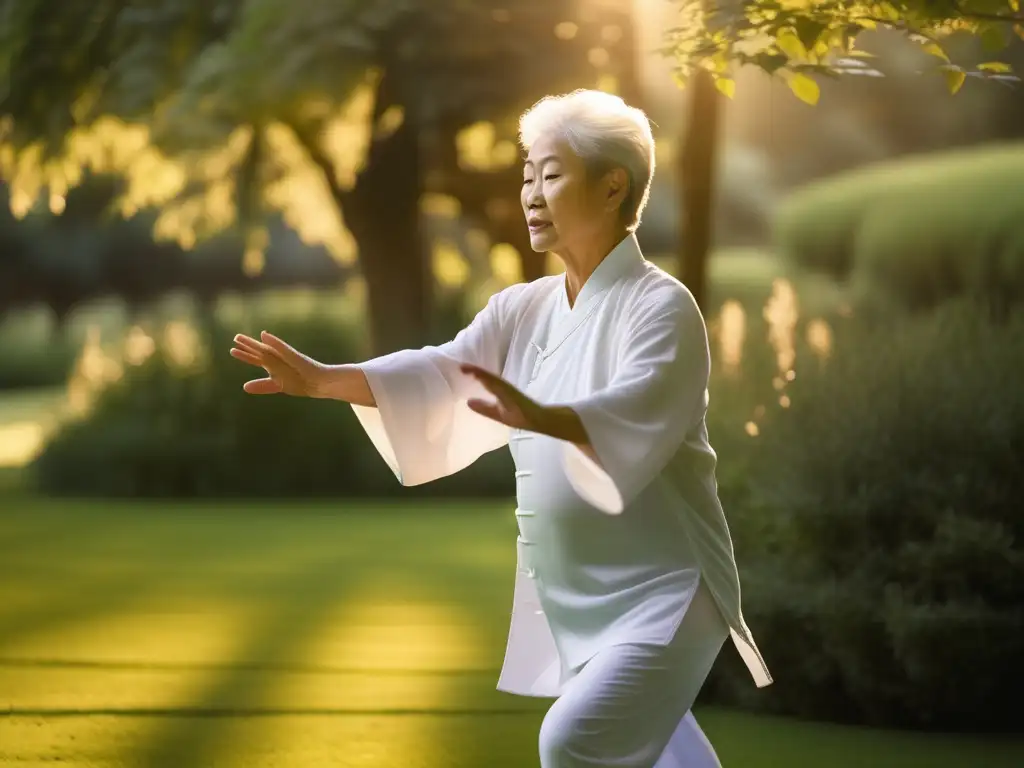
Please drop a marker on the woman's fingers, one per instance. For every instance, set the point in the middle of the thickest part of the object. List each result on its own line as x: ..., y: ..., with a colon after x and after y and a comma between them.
x: 262, y: 387
x: 485, y: 408
x: 280, y: 347
x: 255, y: 347
x: 496, y: 385
x: 246, y: 357
x: 247, y: 342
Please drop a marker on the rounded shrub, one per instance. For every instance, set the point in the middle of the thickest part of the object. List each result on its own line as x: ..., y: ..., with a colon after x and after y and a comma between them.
x: 918, y: 231
x: 168, y: 428
x: 890, y: 590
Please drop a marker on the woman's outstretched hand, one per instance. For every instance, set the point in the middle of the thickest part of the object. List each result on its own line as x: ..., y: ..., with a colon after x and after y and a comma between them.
x: 510, y: 407
x: 514, y: 409
x: 288, y: 371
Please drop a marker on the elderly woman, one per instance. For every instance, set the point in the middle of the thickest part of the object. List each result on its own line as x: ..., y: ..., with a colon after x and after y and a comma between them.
x: 626, y: 586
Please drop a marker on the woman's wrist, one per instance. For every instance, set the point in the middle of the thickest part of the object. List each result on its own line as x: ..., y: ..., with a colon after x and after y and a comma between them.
x: 342, y: 382
x: 562, y: 423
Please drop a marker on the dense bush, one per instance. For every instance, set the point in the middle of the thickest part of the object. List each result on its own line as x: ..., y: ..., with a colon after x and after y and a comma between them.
x: 31, y: 365
x: 890, y: 586
x: 33, y: 357
x: 168, y: 430
x: 920, y: 231
x: 171, y: 430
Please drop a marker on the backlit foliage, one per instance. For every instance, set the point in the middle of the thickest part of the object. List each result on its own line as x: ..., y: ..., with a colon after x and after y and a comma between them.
x: 799, y: 38
x: 208, y: 107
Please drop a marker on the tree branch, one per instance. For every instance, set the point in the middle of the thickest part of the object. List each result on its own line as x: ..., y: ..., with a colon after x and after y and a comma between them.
x: 309, y: 142
x: 979, y: 16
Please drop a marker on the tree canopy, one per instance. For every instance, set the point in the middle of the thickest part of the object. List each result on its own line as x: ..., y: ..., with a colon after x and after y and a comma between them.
x: 221, y: 114
x: 186, y: 97
x: 800, y: 38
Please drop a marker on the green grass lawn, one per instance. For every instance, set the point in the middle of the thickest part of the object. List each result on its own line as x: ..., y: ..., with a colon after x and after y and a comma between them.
x: 193, y: 635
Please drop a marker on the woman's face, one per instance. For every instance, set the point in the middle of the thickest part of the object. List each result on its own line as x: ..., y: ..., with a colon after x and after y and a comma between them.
x: 563, y: 206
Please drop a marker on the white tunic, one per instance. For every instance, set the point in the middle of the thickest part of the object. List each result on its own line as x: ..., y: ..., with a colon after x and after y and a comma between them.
x: 606, y: 554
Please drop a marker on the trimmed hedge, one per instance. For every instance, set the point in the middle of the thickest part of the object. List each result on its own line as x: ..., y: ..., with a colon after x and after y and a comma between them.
x: 167, y: 430
x: 889, y: 589
x: 916, y: 232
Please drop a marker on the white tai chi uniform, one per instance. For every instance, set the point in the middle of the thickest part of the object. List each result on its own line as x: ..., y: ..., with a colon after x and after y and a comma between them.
x: 610, y: 557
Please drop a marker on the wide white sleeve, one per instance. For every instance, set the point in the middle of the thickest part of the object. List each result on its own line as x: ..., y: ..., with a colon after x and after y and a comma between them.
x: 637, y: 423
x: 421, y: 425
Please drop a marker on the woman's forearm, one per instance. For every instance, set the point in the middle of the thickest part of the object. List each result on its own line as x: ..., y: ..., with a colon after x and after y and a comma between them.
x: 347, y: 383
x: 563, y: 423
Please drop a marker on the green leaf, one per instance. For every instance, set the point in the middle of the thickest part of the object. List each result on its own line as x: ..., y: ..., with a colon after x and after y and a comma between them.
x: 995, y: 66
x: 726, y: 86
x: 790, y: 45
x: 935, y: 50
x: 954, y: 78
x: 889, y: 11
x: 804, y: 88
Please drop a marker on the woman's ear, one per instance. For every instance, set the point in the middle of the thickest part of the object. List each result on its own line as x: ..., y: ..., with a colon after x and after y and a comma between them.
x: 618, y: 187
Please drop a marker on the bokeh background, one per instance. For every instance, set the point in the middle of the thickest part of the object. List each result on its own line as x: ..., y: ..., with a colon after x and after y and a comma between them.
x: 193, y: 577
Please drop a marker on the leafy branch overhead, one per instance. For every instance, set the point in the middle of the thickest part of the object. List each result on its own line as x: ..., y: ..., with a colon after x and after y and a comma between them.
x: 796, y: 39
x: 208, y: 108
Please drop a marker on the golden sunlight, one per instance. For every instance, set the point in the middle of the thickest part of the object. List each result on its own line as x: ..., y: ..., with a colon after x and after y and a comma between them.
x: 506, y: 265
x: 608, y: 83
x: 449, y: 266
x: 433, y: 204
x: 598, y: 57
x: 94, y: 370
x: 21, y: 442
x: 190, y: 638
x: 732, y: 330
x: 111, y: 146
x: 782, y: 312
x: 566, y: 30
x: 480, y: 149
x: 139, y: 346
x: 819, y: 337
x: 388, y: 653
x: 254, y: 258
x: 182, y: 344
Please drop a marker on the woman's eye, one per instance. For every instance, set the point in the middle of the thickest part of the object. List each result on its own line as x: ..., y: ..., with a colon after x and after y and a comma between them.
x: 527, y: 181
x: 552, y: 176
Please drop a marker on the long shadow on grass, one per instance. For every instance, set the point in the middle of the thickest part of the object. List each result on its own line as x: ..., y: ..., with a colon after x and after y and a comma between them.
x: 83, y: 595
x: 224, y: 713
x: 282, y: 634
x: 23, y: 534
x: 197, y: 734
x: 22, y: 662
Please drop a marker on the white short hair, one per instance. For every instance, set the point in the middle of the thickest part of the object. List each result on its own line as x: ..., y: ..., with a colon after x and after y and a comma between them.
x: 605, y: 133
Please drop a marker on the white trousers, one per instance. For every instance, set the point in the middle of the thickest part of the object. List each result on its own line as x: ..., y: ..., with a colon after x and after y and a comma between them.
x: 629, y: 707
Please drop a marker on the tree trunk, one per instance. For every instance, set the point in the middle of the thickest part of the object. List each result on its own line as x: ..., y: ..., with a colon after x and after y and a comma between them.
x: 382, y: 211
x: 696, y: 174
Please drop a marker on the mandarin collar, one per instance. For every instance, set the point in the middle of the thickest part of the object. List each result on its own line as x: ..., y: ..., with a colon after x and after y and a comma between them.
x: 619, y: 261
